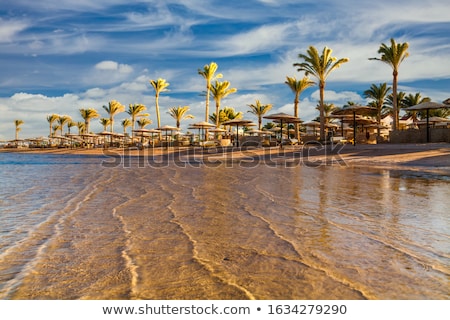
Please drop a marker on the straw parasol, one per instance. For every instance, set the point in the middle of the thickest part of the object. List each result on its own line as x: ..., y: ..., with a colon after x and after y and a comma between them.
x: 429, y: 105
x: 283, y: 117
x: 168, y: 128
x: 202, y: 125
x: 237, y: 123
x: 353, y: 110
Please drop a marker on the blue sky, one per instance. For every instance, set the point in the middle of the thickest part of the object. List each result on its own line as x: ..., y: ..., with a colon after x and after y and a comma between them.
x: 60, y: 56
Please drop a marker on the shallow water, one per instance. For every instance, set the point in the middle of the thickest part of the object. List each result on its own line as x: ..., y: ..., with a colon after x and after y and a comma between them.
x: 75, y: 228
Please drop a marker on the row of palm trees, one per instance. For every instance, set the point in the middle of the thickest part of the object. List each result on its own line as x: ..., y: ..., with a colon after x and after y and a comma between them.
x: 319, y: 65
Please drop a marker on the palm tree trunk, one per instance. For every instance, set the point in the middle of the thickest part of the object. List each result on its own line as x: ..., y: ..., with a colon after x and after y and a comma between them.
x: 322, y: 117
x: 217, y: 113
x: 296, y: 125
x: 208, y: 86
x: 394, y: 101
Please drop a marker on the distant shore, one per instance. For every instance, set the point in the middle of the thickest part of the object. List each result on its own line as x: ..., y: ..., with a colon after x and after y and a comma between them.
x: 430, y: 155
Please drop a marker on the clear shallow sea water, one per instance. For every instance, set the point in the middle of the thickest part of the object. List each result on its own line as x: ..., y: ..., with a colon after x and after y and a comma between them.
x: 72, y: 228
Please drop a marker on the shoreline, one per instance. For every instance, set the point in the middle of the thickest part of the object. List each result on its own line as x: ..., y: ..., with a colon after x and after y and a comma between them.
x: 426, y: 156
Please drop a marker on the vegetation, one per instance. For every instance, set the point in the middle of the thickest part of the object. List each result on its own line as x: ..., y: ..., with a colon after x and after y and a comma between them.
x: 259, y: 110
x: 378, y: 95
x: 393, y: 56
x: 320, y: 65
x: 180, y: 113
x: 209, y: 73
x: 17, y: 124
x: 159, y: 86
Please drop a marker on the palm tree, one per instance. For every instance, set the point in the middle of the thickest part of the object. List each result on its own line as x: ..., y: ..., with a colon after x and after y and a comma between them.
x: 17, y: 124
x: 87, y: 115
x: 70, y: 124
x: 230, y: 114
x: 105, y: 122
x: 81, y: 127
x: 393, y: 56
x: 209, y: 73
x: 412, y: 100
x: 327, y: 109
x: 159, y: 85
x: 219, y: 91
x: 62, y: 120
x: 142, y: 122
x: 222, y: 117
x: 378, y: 95
x: 55, y: 129
x: 179, y: 113
x: 125, y: 124
x: 390, y: 101
x: 52, y: 118
x: 114, y: 107
x: 297, y: 87
x: 135, y: 110
x: 320, y: 67
x: 259, y: 110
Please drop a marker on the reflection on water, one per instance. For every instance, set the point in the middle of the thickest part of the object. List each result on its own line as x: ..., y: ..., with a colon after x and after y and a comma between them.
x: 72, y: 229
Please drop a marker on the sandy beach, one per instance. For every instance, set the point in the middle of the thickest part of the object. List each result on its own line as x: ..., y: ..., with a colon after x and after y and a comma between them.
x: 419, y: 156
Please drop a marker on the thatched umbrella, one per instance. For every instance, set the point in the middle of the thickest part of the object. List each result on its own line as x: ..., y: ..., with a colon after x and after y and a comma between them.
x: 354, y: 110
x: 428, y: 106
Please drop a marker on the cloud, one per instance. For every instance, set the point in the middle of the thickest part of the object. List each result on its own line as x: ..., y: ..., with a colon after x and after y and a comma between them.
x: 109, y: 65
x: 10, y: 28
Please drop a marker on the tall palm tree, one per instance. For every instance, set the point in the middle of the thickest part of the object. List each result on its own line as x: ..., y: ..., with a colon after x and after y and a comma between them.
x: 159, y: 86
x: 17, y: 124
x: 220, y: 90
x: 378, y: 94
x: 209, y: 73
x: 51, y: 119
x: 62, y: 121
x: 297, y: 87
x: 259, y: 110
x: 320, y: 66
x: 180, y: 113
x: 87, y: 115
x: 114, y: 107
x: 135, y: 110
x: 393, y: 56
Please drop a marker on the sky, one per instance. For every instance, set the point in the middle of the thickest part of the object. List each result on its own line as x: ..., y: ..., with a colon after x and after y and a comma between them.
x: 60, y: 56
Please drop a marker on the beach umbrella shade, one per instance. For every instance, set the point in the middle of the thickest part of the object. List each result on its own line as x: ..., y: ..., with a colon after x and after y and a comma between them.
x: 237, y: 123
x: 166, y: 129
x: 354, y: 110
x: 202, y: 125
x: 429, y: 105
x: 282, y: 117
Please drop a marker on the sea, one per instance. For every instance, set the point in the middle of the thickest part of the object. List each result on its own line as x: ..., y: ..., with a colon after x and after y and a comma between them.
x: 110, y: 227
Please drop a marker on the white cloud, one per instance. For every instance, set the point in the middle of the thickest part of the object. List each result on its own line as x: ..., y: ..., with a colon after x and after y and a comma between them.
x: 109, y: 65
x: 10, y: 28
